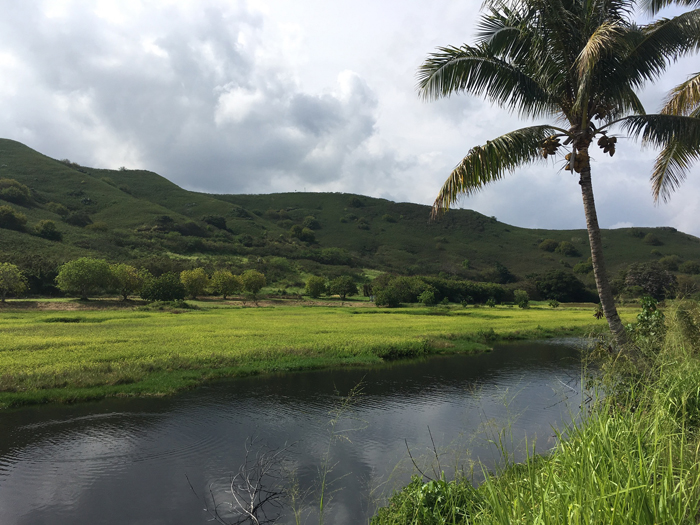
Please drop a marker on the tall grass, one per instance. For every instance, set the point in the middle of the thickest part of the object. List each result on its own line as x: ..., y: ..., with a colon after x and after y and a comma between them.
x: 44, y: 357
x: 635, y: 458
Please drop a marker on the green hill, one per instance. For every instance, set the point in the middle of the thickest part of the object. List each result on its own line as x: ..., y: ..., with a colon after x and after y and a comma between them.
x: 135, y: 215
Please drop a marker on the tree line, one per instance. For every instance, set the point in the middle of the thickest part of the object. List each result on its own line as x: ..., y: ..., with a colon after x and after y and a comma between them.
x: 89, y: 277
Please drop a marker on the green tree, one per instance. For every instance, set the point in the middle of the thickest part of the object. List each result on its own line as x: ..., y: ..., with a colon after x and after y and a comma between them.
x: 342, y: 286
x: 128, y: 280
x: 84, y: 276
x: 253, y: 281
x: 522, y: 299
x: 562, y: 286
x: 11, y: 280
x: 578, y: 62
x: 225, y: 283
x: 651, y: 278
x: 195, y: 281
x: 167, y: 287
x: 315, y: 286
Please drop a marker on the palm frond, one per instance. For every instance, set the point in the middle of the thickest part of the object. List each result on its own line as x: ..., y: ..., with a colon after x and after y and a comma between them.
x: 491, y: 162
x: 660, y: 130
x: 684, y: 99
x: 476, y: 71
x: 654, y: 6
x: 650, y: 49
x: 678, y: 137
x: 671, y: 169
x: 602, y: 41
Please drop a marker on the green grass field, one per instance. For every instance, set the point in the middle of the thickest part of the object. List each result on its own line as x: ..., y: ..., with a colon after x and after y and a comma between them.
x: 68, y: 356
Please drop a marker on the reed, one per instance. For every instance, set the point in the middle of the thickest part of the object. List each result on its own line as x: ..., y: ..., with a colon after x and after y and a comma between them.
x: 634, y: 459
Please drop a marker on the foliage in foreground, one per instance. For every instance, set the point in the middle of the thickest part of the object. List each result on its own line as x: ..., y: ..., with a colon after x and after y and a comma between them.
x: 634, y: 459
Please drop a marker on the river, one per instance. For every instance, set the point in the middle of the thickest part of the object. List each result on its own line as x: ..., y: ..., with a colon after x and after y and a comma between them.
x: 163, y: 460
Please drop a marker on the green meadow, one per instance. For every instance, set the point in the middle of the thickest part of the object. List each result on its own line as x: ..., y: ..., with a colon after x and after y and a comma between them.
x: 67, y: 356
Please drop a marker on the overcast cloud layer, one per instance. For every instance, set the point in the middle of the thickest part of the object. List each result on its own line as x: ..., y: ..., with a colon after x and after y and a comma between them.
x: 272, y: 95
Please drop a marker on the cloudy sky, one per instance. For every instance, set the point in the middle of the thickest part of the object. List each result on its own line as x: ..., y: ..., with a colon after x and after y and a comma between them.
x: 229, y: 96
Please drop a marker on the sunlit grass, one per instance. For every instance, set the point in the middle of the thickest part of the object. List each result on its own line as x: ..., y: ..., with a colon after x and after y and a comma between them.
x: 66, y: 355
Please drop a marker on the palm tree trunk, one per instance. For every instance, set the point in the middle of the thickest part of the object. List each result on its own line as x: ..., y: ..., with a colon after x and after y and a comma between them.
x: 601, y: 276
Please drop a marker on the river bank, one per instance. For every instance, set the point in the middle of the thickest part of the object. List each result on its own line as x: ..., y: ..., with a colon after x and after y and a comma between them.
x: 634, y: 458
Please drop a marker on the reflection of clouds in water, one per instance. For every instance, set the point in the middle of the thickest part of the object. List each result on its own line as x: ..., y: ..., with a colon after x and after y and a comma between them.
x: 60, y: 469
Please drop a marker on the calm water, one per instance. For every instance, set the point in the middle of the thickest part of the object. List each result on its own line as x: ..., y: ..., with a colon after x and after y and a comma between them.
x: 125, y: 461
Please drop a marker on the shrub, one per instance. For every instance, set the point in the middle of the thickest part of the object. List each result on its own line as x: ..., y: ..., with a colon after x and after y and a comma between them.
x: 584, y: 267
x: 16, y: 192
x: 78, y: 218
x: 686, y: 286
x: 554, y: 303
x: 522, y: 299
x: 57, y: 208
x: 428, y: 298
x: 491, y: 302
x: 195, y: 281
x: 548, y: 245
x: 567, y: 249
x: 192, y: 229
x: 652, y: 240
x: 690, y: 267
x: 499, y: 274
x: 225, y: 283
x: 11, y: 219
x: 355, y: 202
x: 11, y: 280
x: 303, y: 234
x: 47, y: 230
x: 342, y: 286
x: 99, y: 226
x: 167, y: 287
x: 315, y: 286
x: 670, y: 262
x: 84, y: 276
x: 388, y: 218
x: 164, y: 223
x: 215, y: 220
x: 311, y: 223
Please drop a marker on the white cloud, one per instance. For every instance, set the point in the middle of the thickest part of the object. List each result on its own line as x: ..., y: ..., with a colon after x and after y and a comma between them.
x: 270, y: 95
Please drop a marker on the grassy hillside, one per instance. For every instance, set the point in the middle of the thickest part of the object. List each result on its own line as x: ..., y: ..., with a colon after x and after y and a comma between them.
x: 135, y: 215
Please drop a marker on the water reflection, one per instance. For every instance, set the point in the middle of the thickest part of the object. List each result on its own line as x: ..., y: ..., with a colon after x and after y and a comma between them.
x: 129, y: 460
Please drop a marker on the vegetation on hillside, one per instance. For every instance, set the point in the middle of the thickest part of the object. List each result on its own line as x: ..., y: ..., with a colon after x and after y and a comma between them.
x: 140, y: 219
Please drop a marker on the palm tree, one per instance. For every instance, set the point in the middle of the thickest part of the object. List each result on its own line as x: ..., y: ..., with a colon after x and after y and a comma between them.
x: 579, y: 62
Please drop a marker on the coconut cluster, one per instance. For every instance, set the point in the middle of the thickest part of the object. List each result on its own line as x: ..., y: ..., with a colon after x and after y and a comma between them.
x: 550, y: 145
x: 607, y: 144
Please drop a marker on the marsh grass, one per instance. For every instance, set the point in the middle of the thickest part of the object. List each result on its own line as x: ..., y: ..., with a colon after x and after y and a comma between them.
x: 634, y: 459
x: 88, y: 354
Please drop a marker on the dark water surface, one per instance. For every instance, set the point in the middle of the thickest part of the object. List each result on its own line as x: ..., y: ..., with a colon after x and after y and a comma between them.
x: 128, y: 461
